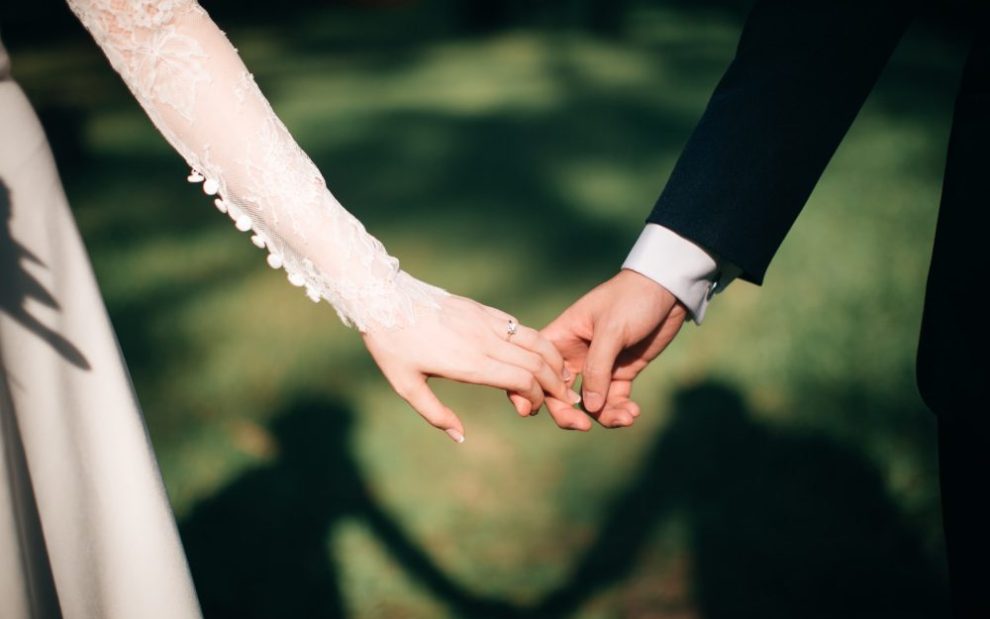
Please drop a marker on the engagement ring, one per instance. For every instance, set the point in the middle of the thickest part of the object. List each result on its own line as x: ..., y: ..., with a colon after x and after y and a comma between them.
x: 511, y: 328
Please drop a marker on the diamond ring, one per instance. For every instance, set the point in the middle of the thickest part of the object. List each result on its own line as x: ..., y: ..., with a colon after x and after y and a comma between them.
x: 511, y: 328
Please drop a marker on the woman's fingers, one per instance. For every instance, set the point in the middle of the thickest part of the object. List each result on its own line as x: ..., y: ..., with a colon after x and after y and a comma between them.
x: 531, y: 340
x: 532, y: 363
x: 419, y: 396
x: 564, y: 415
x: 526, y: 348
x: 528, y: 338
x: 512, y: 378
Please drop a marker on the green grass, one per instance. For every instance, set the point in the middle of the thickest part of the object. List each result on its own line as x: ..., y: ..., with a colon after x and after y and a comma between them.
x: 517, y: 169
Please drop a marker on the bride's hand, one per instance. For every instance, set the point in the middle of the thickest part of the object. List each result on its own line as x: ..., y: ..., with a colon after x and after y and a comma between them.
x: 467, y: 342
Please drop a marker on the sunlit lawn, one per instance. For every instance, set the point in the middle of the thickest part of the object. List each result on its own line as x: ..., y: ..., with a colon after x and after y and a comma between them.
x: 517, y: 169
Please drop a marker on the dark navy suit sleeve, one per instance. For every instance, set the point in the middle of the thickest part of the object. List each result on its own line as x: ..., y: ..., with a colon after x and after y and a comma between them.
x: 802, y: 70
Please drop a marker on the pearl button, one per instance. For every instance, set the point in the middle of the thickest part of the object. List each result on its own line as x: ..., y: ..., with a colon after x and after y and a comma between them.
x: 258, y: 241
x: 296, y: 279
x: 195, y: 177
x: 275, y: 261
x: 243, y: 223
x: 211, y: 187
x: 221, y: 205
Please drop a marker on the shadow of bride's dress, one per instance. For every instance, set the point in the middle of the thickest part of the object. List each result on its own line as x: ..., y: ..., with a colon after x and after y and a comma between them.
x: 85, y: 526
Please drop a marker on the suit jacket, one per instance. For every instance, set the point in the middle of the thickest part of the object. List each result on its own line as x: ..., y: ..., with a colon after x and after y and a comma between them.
x: 802, y: 70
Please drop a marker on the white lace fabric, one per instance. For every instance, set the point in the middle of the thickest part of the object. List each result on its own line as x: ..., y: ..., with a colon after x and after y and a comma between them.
x: 189, y: 79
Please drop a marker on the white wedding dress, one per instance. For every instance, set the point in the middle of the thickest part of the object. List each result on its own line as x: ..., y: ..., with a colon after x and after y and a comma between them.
x: 85, y: 525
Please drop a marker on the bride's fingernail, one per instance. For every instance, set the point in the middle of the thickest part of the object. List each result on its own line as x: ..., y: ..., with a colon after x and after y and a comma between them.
x: 575, y: 396
x: 567, y: 374
x: 454, y: 434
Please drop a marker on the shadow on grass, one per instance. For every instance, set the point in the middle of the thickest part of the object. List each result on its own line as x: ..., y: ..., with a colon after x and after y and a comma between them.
x: 258, y: 547
x: 781, y: 525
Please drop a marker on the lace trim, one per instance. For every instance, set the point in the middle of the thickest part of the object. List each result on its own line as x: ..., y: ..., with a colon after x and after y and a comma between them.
x: 360, y: 305
x: 190, y: 81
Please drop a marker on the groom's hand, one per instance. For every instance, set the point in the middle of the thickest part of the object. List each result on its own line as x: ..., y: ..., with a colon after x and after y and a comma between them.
x: 608, y: 336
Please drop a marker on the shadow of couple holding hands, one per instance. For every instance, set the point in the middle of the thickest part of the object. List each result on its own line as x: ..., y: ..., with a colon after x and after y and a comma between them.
x: 780, y: 525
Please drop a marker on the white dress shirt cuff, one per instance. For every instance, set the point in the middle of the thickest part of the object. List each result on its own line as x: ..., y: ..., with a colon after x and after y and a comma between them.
x: 689, y: 272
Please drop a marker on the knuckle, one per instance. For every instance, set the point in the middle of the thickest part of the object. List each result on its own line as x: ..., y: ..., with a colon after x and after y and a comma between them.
x: 475, y: 370
x: 406, y: 391
x: 533, y: 363
x: 610, y: 325
x: 534, y: 387
x: 522, y: 382
x: 434, y: 417
x: 552, y: 356
x: 550, y: 382
x: 547, y: 351
x: 434, y: 420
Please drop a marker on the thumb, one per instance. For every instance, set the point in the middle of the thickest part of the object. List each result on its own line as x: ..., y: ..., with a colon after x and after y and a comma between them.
x: 606, y: 344
x: 419, y: 395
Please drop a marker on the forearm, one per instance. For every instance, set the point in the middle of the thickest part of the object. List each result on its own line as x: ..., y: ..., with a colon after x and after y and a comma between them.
x: 194, y: 87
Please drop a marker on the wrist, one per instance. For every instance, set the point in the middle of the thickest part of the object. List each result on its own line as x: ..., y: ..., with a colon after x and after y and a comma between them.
x: 685, y: 269
x: 644, y: 284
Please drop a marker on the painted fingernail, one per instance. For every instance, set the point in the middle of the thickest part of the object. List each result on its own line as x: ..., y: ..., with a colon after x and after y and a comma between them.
x: 575, y: 396
x: 454, y: 434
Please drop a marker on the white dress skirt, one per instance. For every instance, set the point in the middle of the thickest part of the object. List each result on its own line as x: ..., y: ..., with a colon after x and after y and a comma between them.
x: 85, y: 525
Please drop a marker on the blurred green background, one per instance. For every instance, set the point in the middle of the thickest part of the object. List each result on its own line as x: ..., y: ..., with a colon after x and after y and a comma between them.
x: 784, y: 465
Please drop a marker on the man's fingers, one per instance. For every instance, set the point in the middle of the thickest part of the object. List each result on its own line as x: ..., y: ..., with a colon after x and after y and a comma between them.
x: 419, y: 395
x: 617, y: 415
x: 597, y: 375
x: 619, y: 411
x: 566, y: 416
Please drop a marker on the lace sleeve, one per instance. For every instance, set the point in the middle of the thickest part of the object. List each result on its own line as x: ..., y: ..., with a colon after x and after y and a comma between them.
x: 194, y: 87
